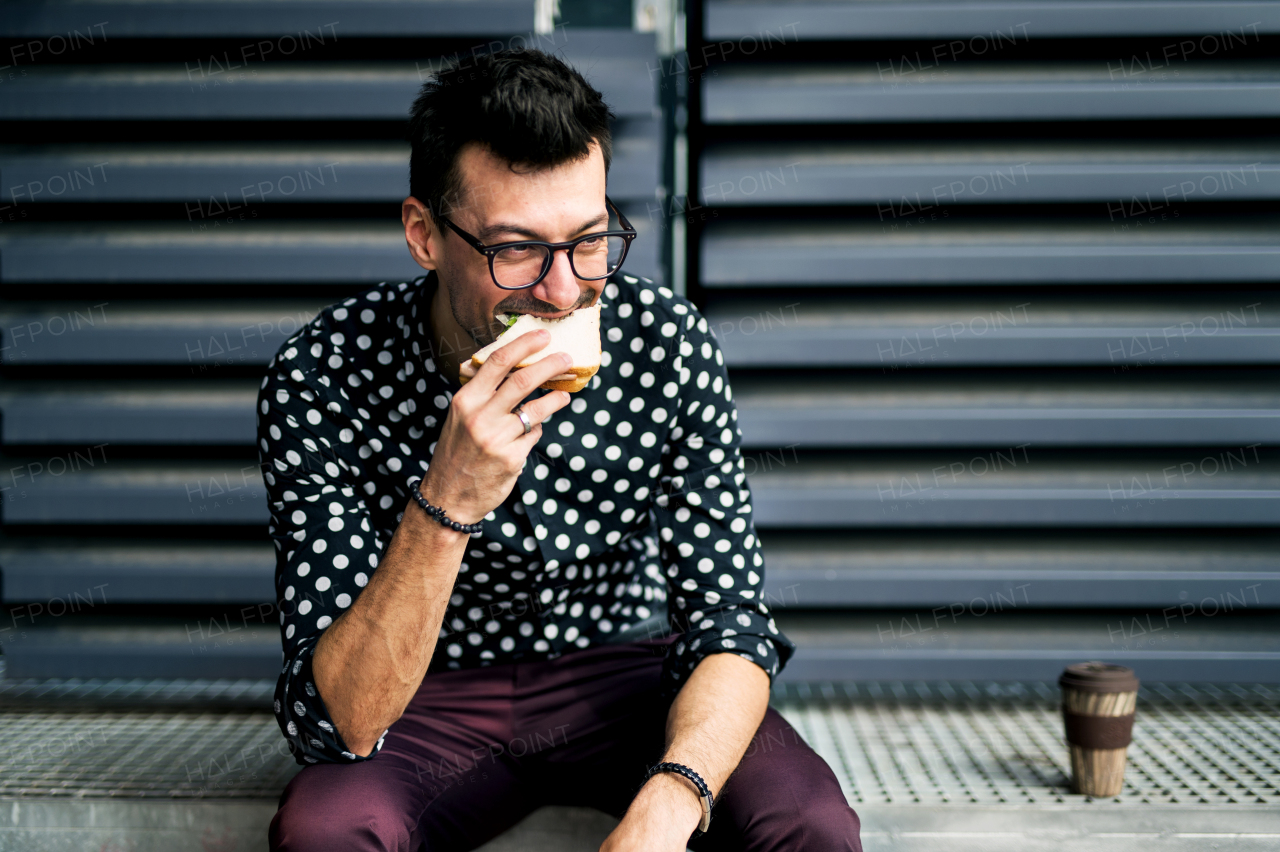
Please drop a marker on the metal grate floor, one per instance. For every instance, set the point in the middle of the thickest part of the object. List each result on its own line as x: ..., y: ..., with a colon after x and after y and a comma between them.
x: 966, y: 743
x: 889, y: 743
x: 142, y: 754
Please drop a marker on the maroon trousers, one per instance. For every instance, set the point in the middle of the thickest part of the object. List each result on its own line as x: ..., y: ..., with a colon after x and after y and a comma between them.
x: 478, y: 750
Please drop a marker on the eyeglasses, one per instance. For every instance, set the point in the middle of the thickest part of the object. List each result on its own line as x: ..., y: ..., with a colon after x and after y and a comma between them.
x: 517, y: 265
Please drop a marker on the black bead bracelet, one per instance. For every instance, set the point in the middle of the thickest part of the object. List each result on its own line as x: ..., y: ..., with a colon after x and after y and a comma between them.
x: 438, y: 513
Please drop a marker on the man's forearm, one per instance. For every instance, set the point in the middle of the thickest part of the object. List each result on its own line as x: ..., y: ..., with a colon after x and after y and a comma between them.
x: 709, y: 727
x: 716, y: 714
x: 371, y: 661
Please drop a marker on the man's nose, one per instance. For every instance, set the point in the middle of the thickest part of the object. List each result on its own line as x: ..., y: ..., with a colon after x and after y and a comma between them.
x: 560, y: 287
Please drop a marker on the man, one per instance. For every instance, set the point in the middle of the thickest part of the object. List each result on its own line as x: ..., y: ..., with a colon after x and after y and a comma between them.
x: 608, y: 614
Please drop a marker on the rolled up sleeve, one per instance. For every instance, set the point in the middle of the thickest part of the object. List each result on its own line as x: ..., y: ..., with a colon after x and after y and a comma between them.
x: 326, y: 548
x: 709, y: 547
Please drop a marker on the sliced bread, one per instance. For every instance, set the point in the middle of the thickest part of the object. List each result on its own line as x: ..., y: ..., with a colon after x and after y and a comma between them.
x: 578, y: 334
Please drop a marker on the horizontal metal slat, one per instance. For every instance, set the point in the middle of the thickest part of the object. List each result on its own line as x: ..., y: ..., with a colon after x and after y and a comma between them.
x: 88, y: 487
x: 90, y: 573
x: 195, y: 334
x: 835, y: 414
x: 1000, y: 21
x: 912, y: 179
x: 1235, y: 328
x: 1014, y: 487
x: 956, y: 575
x: 215, y: 250
x: 204, y: 19
x: 119, y: 648
x: 810, y: 492
x: 165, y: 413
x: 1019, y: 331
x: 618, y: 63
x: 1008, y: 92
x: 221, y: 181
x: 823, y: 253
x: 840, y: 413
x: 209, y: 251
x: 1010, y: 645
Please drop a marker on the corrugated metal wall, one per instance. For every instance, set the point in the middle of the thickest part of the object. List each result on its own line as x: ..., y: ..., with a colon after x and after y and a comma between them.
x: 997, y: 282
x: 184, y: 185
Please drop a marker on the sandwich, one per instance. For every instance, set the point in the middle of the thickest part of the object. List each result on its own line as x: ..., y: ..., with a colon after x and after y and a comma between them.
x: 577, y: 334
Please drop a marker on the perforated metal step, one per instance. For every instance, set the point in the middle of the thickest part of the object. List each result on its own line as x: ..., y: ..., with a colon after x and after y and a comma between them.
x: 986, y: 743
x: 894, y: 743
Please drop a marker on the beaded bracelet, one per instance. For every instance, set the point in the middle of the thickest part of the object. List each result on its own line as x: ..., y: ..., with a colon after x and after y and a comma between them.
x: 438, y: 513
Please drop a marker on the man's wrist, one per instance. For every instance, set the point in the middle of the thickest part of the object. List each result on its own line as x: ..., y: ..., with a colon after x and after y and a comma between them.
x: 674, y: 799
x: 451, y: 505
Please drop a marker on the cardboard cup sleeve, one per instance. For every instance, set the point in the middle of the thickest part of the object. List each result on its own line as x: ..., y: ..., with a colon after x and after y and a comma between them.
x: 1098, y: 705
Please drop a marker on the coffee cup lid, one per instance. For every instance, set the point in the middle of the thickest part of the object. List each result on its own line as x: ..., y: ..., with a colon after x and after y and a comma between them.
x: 1098, y: 677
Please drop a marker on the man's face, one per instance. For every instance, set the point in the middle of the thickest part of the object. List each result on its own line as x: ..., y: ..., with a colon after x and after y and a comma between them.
x: 498, y: 204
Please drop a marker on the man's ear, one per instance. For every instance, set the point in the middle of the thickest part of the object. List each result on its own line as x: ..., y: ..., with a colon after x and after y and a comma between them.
x: 420, y: 232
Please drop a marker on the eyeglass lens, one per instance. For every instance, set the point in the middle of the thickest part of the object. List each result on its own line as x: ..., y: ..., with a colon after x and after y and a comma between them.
x: 520, y: 266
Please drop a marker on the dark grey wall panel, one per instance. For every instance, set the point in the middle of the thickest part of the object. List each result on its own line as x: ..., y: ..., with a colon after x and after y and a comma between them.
x: 383, y: 91
x: 907, y: 178
x: 1026, y: 328
x: 111, y: 572
x: 832, y: 254
x: 1015, y: 488
x: 129, y: 492
x: 645, y: 255
x: 1001, y: 21
x: 151, y: 414
x: 753, y: 333
x: 769, y: 421
x: 132, y: 414
x: 192, y: 334
x: 617, y: 63
x: 1084, y: 588
x: 215, y: 251
x: 825, y: 345
x: 242, y: 251
x: 1014, y: 644
x: 1011, y: 92
x: 203, y: 19
x: 863, y: 343
x: 210, y: 179
x: 948, y: 576
x: 125, y: 650
x: 225, y: 179
x: 810, y: 664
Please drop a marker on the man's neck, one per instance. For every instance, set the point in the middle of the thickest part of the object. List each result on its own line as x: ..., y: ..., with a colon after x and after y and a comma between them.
x: 451, y: 345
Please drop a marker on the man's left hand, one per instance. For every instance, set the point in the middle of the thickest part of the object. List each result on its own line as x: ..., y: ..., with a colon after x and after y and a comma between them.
x: 662, y: 817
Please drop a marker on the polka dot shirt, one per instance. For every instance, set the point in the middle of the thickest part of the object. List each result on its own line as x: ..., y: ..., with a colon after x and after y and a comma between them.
x: 631, y: 519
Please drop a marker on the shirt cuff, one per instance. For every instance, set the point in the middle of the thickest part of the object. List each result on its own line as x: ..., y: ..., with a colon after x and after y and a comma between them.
x: 303, y: 718
x: 737, y: 630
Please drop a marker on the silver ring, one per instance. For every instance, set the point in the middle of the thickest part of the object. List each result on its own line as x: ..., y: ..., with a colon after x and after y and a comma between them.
x: 518, y: 411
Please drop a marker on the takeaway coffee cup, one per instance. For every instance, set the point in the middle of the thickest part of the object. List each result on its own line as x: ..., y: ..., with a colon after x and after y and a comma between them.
x: 1098, y: 703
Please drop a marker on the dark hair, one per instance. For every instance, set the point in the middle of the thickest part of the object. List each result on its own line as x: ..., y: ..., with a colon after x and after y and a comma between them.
x: 529, y: 108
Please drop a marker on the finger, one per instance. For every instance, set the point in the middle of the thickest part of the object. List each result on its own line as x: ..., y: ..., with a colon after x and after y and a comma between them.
x: 505, y: 358
x: 526, y: 380
x: 539, y: 410
x: 546, y: 405
x: 524, y: 444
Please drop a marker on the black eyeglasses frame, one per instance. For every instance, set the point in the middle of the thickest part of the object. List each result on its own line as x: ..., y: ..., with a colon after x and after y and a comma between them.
x: 491, y: 252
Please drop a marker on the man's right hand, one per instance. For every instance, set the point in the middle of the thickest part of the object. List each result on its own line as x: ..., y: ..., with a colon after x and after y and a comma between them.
x: 482, y: 446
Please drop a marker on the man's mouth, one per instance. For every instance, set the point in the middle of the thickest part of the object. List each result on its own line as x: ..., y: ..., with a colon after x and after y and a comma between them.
x: 507, y: 318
